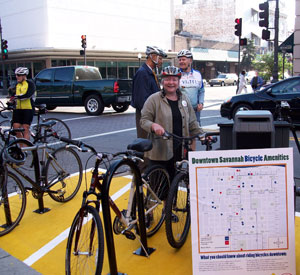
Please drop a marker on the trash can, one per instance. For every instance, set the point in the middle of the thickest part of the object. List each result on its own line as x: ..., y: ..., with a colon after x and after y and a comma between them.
x: 253, y: 129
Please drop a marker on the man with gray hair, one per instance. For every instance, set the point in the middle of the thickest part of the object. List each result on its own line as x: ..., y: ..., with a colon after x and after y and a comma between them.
x: 145, y: 83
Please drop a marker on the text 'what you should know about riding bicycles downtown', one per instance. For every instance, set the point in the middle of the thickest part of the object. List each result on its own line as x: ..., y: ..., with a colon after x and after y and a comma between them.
x: 242, y: 212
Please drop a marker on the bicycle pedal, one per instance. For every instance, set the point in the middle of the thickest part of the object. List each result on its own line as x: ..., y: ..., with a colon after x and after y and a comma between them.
x: 128, y: 234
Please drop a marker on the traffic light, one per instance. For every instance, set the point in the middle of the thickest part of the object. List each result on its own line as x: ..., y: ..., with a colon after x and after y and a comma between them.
x: 4, y: 50
x: 83, y: 41
x: 238, y: 27
x: 264, y: 14
x: 265, y: 34
x: 243, y: 42
x: 81, y: 52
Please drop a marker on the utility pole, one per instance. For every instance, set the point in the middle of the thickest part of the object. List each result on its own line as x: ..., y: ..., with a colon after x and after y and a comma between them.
x: 276, y: 26
x: 2, y: 61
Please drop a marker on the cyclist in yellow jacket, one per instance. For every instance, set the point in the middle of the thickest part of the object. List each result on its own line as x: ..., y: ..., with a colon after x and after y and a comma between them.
x: 24, y: 97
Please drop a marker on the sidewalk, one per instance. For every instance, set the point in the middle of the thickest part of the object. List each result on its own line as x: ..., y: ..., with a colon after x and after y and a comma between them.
x: 12, y: 266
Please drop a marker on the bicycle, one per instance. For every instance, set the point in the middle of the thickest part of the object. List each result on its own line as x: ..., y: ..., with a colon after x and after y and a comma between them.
x: 12, y: 191
x: 85, y: 245
x: 177, y: 208
x: 53, y: 174
x: 59, y: 127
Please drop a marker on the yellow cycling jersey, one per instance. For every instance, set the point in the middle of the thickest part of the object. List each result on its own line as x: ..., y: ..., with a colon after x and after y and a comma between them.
x: 24, y: 94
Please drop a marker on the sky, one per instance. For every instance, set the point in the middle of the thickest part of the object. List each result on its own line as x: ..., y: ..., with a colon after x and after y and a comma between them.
x: 291, y: 12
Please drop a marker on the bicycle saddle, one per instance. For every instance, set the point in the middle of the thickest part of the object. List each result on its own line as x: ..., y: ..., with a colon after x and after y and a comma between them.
x: 140, y: 145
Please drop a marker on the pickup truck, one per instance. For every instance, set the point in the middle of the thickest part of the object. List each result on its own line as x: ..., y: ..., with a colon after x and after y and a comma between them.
x: 82, y: 86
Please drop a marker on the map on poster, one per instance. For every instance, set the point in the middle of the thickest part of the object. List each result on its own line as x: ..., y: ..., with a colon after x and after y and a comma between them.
x: 242, y: 211
x: 241, y: 208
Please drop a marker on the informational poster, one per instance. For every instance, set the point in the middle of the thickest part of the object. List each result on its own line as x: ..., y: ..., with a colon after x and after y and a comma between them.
x: 242, y: 212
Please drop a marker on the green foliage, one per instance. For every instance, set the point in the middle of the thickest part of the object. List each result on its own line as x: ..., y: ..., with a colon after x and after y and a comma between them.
x: 248, y: 56
x: 264, y: 64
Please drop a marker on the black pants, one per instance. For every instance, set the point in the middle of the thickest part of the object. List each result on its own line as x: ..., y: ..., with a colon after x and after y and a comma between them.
x: 141, y: 133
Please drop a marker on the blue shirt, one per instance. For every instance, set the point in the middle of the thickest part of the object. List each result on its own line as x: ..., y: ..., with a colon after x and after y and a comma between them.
x: 144, y: 85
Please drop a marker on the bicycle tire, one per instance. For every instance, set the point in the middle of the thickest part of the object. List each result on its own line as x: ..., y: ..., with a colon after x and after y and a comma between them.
x: 158, y: 179
x: 59, y: 174
x: 12, y: 202
x: 177, y: 209
x: 90, y: 244
x: 61, y: 128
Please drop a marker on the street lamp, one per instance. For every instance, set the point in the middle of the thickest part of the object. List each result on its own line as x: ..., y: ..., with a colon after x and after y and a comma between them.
x: 139, y: 57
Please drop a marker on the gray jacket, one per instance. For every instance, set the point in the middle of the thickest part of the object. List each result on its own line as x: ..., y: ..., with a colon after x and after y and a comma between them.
x: 157, y: 110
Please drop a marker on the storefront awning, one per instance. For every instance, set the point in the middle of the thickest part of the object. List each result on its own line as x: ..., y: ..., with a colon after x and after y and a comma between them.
x: 202, y: 54
x: 287, y: 45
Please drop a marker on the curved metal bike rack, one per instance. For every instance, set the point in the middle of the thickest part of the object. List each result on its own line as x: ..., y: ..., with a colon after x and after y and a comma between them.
x: 107, y: 216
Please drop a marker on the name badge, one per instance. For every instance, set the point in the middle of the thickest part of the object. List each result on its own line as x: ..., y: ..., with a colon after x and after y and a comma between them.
x: 184, y: 103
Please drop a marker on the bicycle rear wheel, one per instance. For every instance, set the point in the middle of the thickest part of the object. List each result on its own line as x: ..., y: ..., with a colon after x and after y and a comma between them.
x: 85, y: 246
x: 60, y: 128
x: 12, y: 202
x: 158, y: 182
x: 63, y: 174
x: 178, y: 211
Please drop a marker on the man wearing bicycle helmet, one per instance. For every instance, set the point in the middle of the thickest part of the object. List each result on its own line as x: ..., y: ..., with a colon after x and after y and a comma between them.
x: 24, y: 98
x: 171, y: 111
x: 191, y: 82
x: 145, y: 83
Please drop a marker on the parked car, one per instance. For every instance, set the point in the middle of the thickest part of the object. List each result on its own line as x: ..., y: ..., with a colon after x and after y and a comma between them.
x: 82, y: 86
x: 265, y: 99
x: 224, y: 79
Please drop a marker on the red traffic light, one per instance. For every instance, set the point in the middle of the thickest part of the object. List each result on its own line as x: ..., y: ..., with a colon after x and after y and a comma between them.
x: 238, y: 27
x: 83, y: 41
x: 243, y: 41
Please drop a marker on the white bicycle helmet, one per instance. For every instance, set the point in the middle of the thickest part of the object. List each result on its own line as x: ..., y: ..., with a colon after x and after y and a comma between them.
x: 170, y: 71
x: 22, y: 71
x: 152, y: 49
x: 185, y: 53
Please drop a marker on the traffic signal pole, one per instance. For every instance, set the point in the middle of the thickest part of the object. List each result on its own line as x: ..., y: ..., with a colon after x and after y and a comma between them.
x: 2, y: 61
x: 276, y: 25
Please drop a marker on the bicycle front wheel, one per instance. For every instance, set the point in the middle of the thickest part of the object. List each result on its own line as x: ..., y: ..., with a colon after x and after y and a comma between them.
x: 155, y: 191
x: 85, y: 246
x: 178, y: 211
x: 63, y: 174
x: 12, y: 202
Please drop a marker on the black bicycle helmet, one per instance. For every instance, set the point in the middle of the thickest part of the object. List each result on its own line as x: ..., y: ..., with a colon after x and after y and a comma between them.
x: 13, y: 154
x: 162, y: 53
x: 170, y: 71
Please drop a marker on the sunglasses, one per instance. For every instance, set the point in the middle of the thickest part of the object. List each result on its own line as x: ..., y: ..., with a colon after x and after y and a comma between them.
x: 19, y: 74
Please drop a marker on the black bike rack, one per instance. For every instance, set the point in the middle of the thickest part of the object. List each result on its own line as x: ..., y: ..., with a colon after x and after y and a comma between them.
x: 41, y: 209
x: 107, y: 216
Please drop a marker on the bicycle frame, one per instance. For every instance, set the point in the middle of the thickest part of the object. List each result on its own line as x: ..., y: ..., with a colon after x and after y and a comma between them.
x: 38, y: 185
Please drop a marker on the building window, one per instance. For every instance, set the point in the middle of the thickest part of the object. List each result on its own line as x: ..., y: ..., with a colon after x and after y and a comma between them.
x: 38, y: 66
x: 256, y: 40
x: 102, y: 68
x: 112, y: 70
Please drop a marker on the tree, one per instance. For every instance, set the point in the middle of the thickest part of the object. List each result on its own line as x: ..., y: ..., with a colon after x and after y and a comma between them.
x: 265, y: 64
x: 249, y: 54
